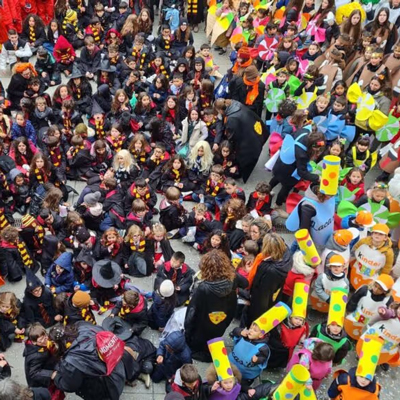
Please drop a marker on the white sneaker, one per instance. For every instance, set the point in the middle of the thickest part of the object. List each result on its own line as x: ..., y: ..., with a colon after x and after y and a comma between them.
x: 145, y: 378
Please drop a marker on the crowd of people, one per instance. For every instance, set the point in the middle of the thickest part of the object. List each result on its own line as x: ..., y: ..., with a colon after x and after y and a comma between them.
x: 146, y: 121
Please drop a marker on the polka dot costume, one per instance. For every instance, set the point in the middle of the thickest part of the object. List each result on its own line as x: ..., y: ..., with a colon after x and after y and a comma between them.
x: 330, y: 175
x: 273, y: 317
x: 300, y: 299
x: 219, y: 355
x: 307, y: 248
x: 293, y: 383
x: 369, y: 356
x: 337, y: 306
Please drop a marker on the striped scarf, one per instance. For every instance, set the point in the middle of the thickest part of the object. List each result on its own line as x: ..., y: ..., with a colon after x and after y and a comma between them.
x: 3, y: 220
x: 177, y: 175
x: 124, y: 311
x: 213, y: 190
x: 140, y: 156
x: 14, y: 321
x: 76, y: 150
x: 140, y: 248
x: 167, y: 43
x: 26, y: 258
x: 139, y: 57
x: 73, y: 23
x: 96, y: 34
x: 78, y: 93
x: 41, y: 176
x: 3, y: 182
x: 136, y: 194
x: 99, y: 129
x: 32, y: 34
x: 67, y: 122
x: 117, y: 143
x: 55, y: 156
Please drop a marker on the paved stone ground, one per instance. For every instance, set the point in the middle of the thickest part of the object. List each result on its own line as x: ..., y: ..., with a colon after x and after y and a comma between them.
x: 157, y: 391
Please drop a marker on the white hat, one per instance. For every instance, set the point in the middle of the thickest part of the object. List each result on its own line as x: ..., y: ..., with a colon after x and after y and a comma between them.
x: 167, y: 288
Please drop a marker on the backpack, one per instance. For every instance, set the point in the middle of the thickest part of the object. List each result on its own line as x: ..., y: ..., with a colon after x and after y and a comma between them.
x: 110, y: 349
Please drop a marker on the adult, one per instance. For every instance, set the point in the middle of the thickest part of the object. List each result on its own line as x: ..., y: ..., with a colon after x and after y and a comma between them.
x: 315, y: 213
x: 245, y: 130
x: 258, y: 229
x: 19, y: 83
x: 213, y: 304
x: 81, y: 370
x: 248, y: 89
x: 292, y: 163
x: 267, y: 276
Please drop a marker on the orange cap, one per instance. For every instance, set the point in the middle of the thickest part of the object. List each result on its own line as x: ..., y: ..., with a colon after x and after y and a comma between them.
x: 343, y: 237
x: 385, y: 281
x: 381, y: 228
x: 365, y: 218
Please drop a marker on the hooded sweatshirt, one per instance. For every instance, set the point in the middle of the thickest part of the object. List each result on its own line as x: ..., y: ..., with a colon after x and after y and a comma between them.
x: 63, y: 282
x: 300, y: 272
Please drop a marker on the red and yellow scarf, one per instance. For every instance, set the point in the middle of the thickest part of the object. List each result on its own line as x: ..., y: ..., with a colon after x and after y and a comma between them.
x: 55, y: 156
x: 41, y: 176
x: 177, y: 175
x: 140, y: 248
x: 213, y: 190
x: 26, y: 258
x: 76, y: 150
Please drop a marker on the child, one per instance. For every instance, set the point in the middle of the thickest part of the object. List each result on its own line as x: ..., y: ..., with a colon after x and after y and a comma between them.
x: 200, y: 161
x: 139, y: 216
x: 141, y: 190
x: 187, y: 381
x: 159, y: 248
x: 179, y: 273
x: 170, y: 113
x: 11, y: 322
x: 373, y: 256
x: 333, y: 277
x: 91, y: 210
x: 14, y: 255
x: 226, y: 158
x: 38, y: 302
x: 145, y: 110
x: 20, y: 190
x: 172, y: 213
x: 164, y: 301
x: 60, y: 276
x: 217, y: 239
x: 132, y: 309
x: 24, y: 128
x: 134, y: 251
x: 359, y: 155
x: 78, y: 307
x: 175, y: 175
x: 260, y: 200
x: 250, y: 352
x: 90, y: 58
x: 70, y: 118
x: 317, y: 357
x: 140, y: 149
x: 126, y: 169
x: 39, y: 361
x: 354, y: 182
x: 81, y: 91
x: 158, y: 91
x: 199, y: 78
x: 64, y: 55
x: 83, y: 266
x: 165, y: 41
x: 231, y: 212
x: 109, y: 247
x: 172, y: 353
x: 364, y: 304
x: 193, y: 131
x: 60, y: 94
x: 161, y: 132
x: 78, y: 159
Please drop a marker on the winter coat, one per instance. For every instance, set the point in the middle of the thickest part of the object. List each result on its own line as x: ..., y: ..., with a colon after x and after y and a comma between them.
x: 81, y: 371
x: 172, y: 216
x: 27, y: 131
x: 63, y: 282
x: 267, y: 284
x: 210, y: 311
x: 89, y: 62
x: 16, y: 88
x: 175, y: 352
x: 39, y: 33
x: 160, y: 311
x: 200, y: 132
x: 300, y: 272
x: 43, y: 119
x: 92, y: 216
x: 39, y: 365
x: 37, y: 309
x: 183, y: 279
x: 11, y: 264
x: 200, y: 391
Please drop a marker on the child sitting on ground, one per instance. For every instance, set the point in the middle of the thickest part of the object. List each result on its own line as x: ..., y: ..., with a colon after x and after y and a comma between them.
x: 60, y: 276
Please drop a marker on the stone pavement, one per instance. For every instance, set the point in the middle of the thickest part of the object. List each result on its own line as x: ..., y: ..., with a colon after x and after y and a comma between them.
x: 157, y: 391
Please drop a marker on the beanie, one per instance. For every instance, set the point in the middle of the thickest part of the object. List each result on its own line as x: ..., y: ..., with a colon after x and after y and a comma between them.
x: 92, y: 198
x: 80, y: 299
x: 82, y: 234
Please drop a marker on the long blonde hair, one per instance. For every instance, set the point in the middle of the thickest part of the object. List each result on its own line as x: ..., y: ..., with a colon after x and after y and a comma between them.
x: 273, y: 246
x: 133, y: 230
x: 9, y: 298
x: 206, y: 161
x: 128, y: 160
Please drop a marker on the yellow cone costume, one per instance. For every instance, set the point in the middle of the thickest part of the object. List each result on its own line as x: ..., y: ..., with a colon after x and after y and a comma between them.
x: 300, y: 299
x: 219, y: 355
x: 307, y: 247
x: 330, y: 175
x: 337, y: 306
x: 273, y: 317
x: 293, y: 383
x: 369, y: 356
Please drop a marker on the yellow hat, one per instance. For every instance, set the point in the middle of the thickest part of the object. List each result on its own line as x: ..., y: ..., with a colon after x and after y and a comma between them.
x: 396, y: 291
x: 369, y: 356
x: 300, y: 299
x: 336, y: 260
x: 381, y: 228
x: 307, y: 247
x: 385, y: 281
x: 273, y: 317
x: 220, y: 358
x: 337, y: 306
x: 330, y: 175
x: 293, y: 383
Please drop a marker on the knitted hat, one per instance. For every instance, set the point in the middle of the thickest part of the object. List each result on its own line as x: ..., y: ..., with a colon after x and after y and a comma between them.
x: 381, y: 228
x: 343, y: 237
x: 244, y: 53
x: 82, y: 234
x: 336, y: 260
x: 251, y: 73
x: 364, y: 218
x: 385, y: 281
x: 71, y: 15
x: 81, y: 299
x: 167, y: 288
x: 92, y: 199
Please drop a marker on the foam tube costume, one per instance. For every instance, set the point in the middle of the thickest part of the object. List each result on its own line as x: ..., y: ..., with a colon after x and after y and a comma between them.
x: 369, y: 356
x: 307, y: 247
x: 273, y: 317
x: 300, y: 299
x: 219, y: 355
x: 337, y: 306
x: 293, y: 383
x: 330, y: 175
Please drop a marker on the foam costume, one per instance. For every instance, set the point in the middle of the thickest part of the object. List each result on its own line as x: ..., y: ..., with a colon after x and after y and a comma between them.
x: 367, y: 307
x: 389, y: 331
x: 300, y: 300
x: 322, y: 227
x: 307, y: 247
x: 244, y: 350
x: 293, y: 383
